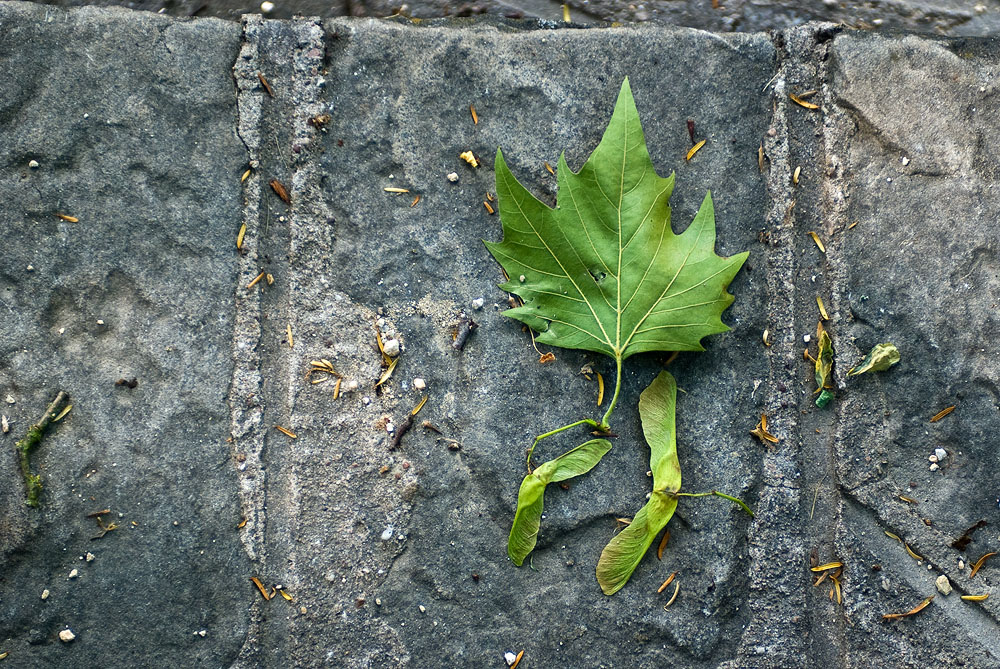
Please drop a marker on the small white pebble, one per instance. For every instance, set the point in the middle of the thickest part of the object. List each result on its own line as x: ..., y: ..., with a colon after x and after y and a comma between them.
x: 351, y: 386
x: 100, y: 321
x: 932, y: 458
x: 390, y: 428
x: 74, y: 573
x: 934, y: 467
x: 33, y: 164
x: 66, y: 635
x: 380, y: 322
x: 10, y: 399
x: 266, y: 7
x: 45, y: 594
x: 419, y: 384
x: 31, y: 268
x: 477, y: 303
x: 521, y: 278
x: 943, y: 585
x: 366, y: 400
x: 176, y: 523
x: 386, y: 534
x: 649, y: 472
x: 62, y: 330
x: 806, y: 338
x: 391, y: 347
x: 90, y: 557
x: 378, y: 601
x: 905, y: 161
x: 422, y: 608
x: 941, y: 454
x: 202, y: 633
x: 453, y: 177
x: 4, y: 425
x: 979, y: 9
x: 509, y: 658
x: 961, y: 563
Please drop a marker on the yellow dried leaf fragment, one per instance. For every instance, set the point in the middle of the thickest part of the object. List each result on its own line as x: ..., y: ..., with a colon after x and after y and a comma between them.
x: 695, y: 149
x: 799, y: 101
x: 469, y: 157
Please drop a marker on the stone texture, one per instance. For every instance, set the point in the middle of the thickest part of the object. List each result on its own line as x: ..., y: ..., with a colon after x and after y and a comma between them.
x: 146, y: 157
x: 397, y: 557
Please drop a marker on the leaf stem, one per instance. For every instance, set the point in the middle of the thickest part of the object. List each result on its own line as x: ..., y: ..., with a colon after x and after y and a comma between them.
x: 717, y: 494
x: 585, y: 421
x: 614, y: 398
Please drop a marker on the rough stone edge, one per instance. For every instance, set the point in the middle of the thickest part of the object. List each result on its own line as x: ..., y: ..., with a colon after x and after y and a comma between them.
x: 246, y: 390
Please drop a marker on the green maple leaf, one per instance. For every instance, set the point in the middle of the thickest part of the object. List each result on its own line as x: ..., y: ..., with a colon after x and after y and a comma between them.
x: 603, y: 271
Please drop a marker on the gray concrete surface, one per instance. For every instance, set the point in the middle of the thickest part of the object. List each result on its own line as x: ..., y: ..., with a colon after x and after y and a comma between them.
x: 142, y: 127
x: 944, y: 17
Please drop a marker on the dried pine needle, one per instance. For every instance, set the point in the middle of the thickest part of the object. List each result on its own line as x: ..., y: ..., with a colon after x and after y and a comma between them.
x: 488, y: 207
x: 254, y: 282
x: 600, y: 389
x: 761, y: 431
x: 391, y: 189
x: 415, y: 201
x: 285, y: 431
x: 549, y: 168
x: 336, y: 388
x: 695, y: 149
x: 420, y: 406
x: 766, y: 337
x: 517, y: 660
x: 677, y: 587
x: 828, y: 565
x: 942, y: 413
x: 285, y: 595
x: 795, y: 175
x: 799, y: 101
x: 242, y: 524
x: 489, y: 196
x: 68, y: 218
x: 822, y: 308
x: 908, y: 500
x: 239, y: 237
x: 911, y: 553
x: 387, y: 374
x: 916, y: 609
x: 291, y: 339
x: 852, y: 225
x: 663, y: 544
x: 760, y: 157
x: 979, y: 563
x: 975, y: 598
x: 565, y: 9
x: 62, y: 414
x: 265, y: 84
x: 260, y: 586
x: 819, y: 242
x: 246, y: 175
x: 670, y: 579
x: 475, y: 117
x: 822, y: 577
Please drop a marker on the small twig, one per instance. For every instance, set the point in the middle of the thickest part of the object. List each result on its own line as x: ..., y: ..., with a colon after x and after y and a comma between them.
x: 397, y: 436
x: 31, y: 440
x: 465, y: 329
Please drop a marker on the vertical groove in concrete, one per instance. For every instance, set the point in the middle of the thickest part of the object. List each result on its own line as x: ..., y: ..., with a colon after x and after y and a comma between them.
x: 245, y: 395
x: 775, y: 631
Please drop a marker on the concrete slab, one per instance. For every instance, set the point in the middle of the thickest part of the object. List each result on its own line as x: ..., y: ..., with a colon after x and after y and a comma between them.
x: 397, y: 557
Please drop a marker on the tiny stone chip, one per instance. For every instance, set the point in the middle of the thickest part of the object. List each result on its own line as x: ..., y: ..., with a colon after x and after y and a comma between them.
x: 74, y: 573
x: 4, y: 425
x: 33, y: 164
x: 509, y: 658
x: 391, y: 347
x: 419, y: 384
x: 943, y: 585
x: 941, y: 454
x: 422, y: 608
x: 66, y: 635
x: 45, y: 594
x: 453, y: 177
x: 90, y: 557
x: 386, y: 534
